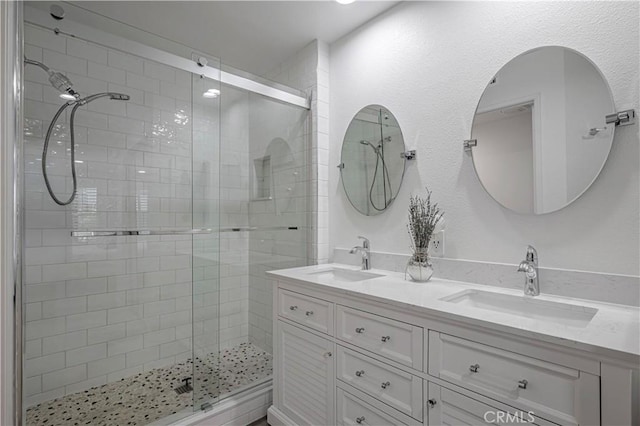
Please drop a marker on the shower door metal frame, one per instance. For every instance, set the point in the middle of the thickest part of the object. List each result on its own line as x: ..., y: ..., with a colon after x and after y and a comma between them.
x: 11, y: 199
x: 80, y: 31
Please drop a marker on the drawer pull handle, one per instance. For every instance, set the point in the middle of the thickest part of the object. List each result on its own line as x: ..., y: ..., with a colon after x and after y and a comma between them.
x: 385, y: 385
x: 360, y: 373
x: 522, y: 384
x: 360, y: 330
x: 385, y: 338
x: 360, y: 420
x: 474, y: 368
x: 327, y: 355
x: 308, y: 313
x: 432, y: 402
x: 293, y: 308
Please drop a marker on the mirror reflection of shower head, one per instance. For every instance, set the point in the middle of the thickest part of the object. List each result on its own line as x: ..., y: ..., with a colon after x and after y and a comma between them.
x: 376, y: 149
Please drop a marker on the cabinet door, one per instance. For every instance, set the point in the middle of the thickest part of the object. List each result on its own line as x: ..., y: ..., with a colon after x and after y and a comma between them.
x: 446, y: 407
x: 306, y: 376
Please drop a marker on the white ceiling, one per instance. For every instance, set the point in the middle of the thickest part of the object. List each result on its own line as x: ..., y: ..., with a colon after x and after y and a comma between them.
x: 254, y: 36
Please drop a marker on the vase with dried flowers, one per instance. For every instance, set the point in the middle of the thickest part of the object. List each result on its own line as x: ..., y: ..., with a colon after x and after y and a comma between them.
x: 423, y: 218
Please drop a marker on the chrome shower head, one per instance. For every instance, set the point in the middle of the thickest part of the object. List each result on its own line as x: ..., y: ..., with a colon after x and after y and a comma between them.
x: 62, y: 83
x: 58, y: 80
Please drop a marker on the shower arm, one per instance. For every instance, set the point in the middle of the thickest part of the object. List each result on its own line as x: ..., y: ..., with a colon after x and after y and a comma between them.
x: 38, y: 64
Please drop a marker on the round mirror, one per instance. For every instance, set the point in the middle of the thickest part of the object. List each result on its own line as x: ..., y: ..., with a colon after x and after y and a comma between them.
x: 372, y: 165
x: 540, y: 130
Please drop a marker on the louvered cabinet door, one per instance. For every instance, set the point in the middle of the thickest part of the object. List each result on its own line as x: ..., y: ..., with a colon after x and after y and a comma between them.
x: 306, y: 373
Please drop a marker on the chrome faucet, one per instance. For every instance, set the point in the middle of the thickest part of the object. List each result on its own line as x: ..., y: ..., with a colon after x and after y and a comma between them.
x: 365, y: 250
x: 530, y: 268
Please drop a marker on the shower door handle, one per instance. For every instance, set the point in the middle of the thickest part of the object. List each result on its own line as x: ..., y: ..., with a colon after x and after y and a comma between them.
x: 196, y: 231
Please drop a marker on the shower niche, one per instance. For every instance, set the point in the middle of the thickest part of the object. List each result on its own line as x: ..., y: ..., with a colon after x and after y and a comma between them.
x: 262, y: 181
x: 276, y: 175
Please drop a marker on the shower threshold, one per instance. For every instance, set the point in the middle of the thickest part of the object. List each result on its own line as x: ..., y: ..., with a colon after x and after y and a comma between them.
x: 150, y: 396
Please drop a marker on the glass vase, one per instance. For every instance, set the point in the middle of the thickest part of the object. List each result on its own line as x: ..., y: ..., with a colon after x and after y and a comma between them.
x: 419, y: 266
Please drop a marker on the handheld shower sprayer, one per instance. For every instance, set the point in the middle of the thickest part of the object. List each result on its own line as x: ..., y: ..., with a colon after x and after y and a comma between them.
x: 76, y: 104
x: 64, y: 85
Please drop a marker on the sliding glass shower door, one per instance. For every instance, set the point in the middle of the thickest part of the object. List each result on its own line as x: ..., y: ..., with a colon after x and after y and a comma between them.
x: 146, y: 297
x: 119, y: 281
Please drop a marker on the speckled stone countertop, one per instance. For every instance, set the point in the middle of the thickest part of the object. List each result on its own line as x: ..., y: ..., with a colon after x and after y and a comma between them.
x: 614, y: 331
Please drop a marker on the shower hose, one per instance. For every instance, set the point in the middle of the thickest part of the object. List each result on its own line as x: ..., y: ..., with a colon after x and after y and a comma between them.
x: 45, y: 150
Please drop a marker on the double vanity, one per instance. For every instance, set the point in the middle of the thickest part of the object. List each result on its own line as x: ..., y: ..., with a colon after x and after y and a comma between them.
x: 367, y: 347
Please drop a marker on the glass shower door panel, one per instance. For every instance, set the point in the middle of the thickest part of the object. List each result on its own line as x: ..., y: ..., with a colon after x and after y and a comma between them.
x: 276, y: 183
x: 206, y: 253
x: 108, y: 318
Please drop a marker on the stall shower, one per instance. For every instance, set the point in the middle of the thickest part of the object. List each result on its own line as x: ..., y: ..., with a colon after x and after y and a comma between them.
x: 155, y: 199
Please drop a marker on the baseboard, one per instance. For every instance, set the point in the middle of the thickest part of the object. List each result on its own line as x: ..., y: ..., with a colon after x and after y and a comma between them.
x: 241, y: 409
x: 276, y: 417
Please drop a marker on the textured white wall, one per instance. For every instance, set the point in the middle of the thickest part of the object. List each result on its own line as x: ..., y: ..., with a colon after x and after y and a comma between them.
x: 428, y: 63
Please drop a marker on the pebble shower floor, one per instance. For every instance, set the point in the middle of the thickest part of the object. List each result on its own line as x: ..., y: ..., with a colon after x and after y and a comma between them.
x: 150, y: 396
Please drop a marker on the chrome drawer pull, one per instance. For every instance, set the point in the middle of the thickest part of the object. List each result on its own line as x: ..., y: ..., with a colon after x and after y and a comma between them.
x: 293, y: 308
x: 360, y: 373
x: 309, y: 313
x: 385, y: 385
x: 522, y: 384
x: 360, y: 420
x: 432, y: 402
x: 327, y: 355
x: 360, y: 330
x: 474, y: 368
x: 386, y: 338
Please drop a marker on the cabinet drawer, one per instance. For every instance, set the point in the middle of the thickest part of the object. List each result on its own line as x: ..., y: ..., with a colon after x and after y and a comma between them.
x: 554, y: 392
x: 397, y: 388
x: 396, y: 340
x: 307, y: 310
x: 353, y: 411
x: 446, y: 407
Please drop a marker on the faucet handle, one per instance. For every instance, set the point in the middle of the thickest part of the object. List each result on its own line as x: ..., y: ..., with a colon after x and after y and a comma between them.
x: 532, y: 254
x: 365, y: 242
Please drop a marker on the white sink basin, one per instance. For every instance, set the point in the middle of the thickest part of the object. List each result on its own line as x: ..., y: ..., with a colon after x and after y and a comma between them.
x: 345, y: 275
x: 525, y: 307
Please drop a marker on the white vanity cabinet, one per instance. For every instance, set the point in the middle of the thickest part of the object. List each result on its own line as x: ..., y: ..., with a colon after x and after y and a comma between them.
x: 341, y: 359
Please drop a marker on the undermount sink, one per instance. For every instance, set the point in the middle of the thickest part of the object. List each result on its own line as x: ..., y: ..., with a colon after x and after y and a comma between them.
x: 345, y: 275
x: 525, y: 307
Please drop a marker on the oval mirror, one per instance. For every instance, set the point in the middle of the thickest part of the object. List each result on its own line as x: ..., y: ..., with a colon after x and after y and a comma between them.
x: 540, y: 131
x: 372, y: 166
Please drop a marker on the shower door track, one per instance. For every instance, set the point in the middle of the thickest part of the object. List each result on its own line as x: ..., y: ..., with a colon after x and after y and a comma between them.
x: 79, y: 31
